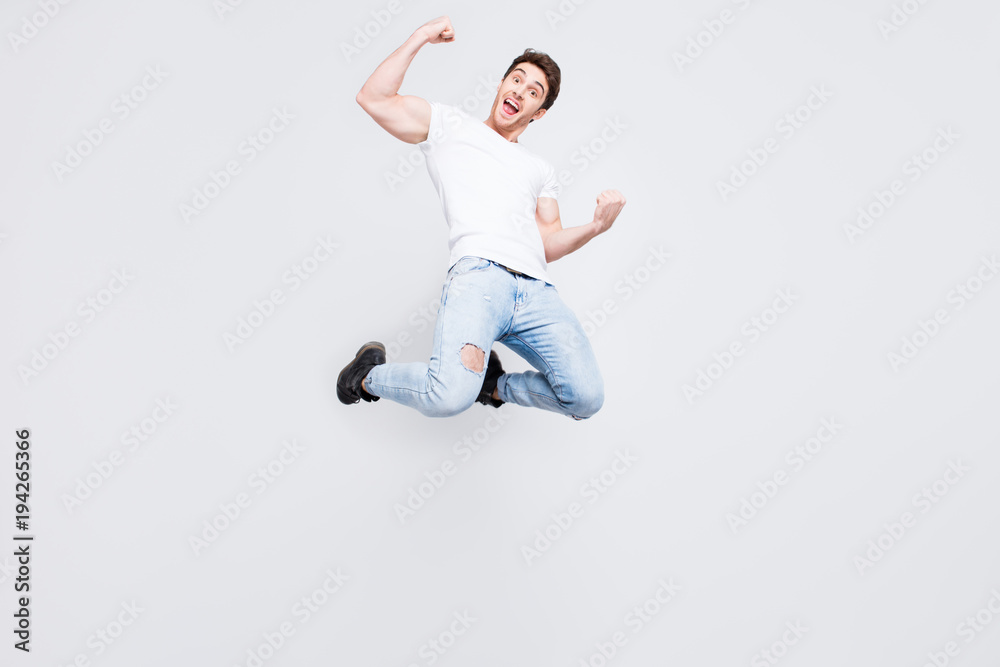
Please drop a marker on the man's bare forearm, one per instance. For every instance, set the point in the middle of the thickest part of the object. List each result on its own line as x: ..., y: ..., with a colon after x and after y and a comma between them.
x: 564, y: 241
x: 570, y: 239
x: 387, y: 78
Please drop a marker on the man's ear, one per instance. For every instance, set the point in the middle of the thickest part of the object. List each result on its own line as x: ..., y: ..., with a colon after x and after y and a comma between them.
x: 538, y: 114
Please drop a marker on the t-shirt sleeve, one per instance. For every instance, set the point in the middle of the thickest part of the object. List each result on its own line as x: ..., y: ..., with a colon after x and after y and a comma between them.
x: 435, y: 132
x: 552, y: 187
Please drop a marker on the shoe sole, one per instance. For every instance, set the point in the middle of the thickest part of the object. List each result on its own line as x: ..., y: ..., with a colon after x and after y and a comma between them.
x: 352, y: 397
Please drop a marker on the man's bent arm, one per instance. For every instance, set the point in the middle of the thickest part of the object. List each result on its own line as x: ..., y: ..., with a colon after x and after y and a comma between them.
x: 559, y: 242
x: 405, y: 117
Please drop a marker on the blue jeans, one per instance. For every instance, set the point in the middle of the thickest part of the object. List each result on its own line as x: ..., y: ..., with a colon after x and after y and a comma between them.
x: 482, y: 302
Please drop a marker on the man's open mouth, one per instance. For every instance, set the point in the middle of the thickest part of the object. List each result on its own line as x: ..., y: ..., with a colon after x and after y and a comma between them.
x: 509, y: 107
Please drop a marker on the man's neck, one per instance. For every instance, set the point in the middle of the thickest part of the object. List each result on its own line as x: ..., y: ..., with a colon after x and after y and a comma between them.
x: 510, y: 136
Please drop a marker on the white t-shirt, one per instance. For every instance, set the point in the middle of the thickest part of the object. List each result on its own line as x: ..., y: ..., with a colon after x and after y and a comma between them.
x: 489, y: 189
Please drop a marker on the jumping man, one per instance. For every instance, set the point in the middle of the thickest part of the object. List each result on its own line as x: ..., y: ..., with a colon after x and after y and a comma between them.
x: 499, y: 201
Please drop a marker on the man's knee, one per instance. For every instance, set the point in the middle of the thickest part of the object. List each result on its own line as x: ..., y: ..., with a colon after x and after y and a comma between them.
x: 452, y: 398
x: 586, y: 400
x: 449, y: 405
x: 473, y: 358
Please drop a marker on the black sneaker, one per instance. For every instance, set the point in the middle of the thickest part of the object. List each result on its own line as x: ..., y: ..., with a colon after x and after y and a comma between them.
x: 493, y: 372
x: 349, y: 389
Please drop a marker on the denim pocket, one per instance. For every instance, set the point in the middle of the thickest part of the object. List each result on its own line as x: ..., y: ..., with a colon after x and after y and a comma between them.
x: 469, y: 263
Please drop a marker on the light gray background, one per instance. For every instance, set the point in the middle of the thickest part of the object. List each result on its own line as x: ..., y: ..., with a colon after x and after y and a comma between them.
x: 162, y: 337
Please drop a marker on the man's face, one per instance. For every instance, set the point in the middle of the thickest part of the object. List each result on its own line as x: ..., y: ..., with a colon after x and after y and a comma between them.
x: 526, y: 87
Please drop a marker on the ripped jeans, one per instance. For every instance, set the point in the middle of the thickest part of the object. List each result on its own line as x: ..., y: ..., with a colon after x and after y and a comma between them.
x: 482, y: 302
